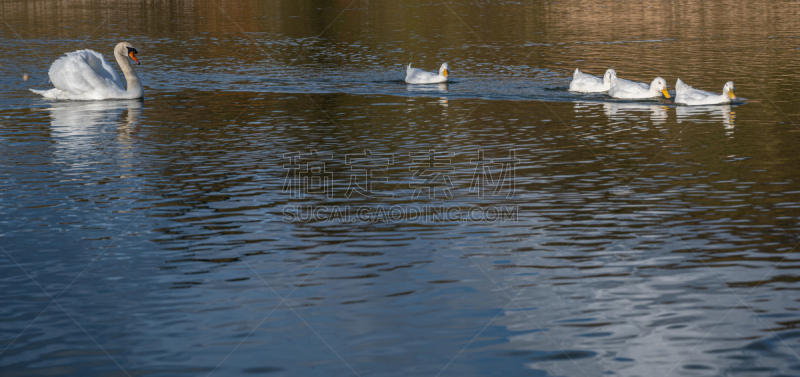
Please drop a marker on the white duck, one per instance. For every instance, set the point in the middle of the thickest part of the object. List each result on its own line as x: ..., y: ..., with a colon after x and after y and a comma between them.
x: 418, y: 76
x: 85, y: 75
x: 582, y: 82
x: 686, y: 95
x: 621, y: 88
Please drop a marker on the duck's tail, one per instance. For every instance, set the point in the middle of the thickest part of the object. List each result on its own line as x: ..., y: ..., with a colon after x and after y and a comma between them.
x: 575, y: 74
x: 680, y: 85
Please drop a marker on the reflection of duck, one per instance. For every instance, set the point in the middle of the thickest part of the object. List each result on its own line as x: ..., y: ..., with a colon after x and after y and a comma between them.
x: 418, y: 76
x: 716, y: 113
x: 582, y: 82
x: 686, y: 95
x: 621, y: 88
x: 439, y: 88
x: 78, y: 127
x: 620, y: 111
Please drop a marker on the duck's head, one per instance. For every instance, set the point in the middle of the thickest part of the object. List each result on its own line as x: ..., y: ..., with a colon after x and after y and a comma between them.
x: 126, y: 49
x: 659, y: 84
x: 443, y: 70
x: 729, y: 89
x: 611, y: 74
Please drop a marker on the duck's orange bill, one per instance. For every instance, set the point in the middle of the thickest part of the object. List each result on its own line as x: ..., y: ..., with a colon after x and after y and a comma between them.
x: 445, y: 73
x: 133, y: 56
x: 730, y: 93
x: 666, y: 94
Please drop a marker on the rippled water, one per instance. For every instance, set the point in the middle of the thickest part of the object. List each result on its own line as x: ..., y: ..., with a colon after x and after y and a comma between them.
x: 169, y: 237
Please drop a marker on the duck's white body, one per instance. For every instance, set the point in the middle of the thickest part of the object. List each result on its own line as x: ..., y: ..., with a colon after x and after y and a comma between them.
x: 418, y: 76
x: 85, y: 75
x: 585, y: 83
x: 621, y: 88
x: 686, y: 95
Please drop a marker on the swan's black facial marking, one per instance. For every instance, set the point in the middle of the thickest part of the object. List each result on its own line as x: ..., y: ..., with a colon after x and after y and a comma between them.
x: 132, y: 54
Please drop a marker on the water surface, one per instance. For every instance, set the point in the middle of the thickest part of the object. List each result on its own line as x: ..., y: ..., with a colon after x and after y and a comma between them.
x: 160, y: 238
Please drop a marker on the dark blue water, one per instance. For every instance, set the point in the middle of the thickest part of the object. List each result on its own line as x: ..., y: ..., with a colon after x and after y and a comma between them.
x: 281, y: 203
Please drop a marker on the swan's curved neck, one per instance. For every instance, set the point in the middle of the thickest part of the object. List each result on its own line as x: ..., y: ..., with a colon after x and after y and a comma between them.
x: 135, y: 89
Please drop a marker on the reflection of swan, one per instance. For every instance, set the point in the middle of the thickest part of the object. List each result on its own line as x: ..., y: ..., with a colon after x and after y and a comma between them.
x: 418, y: 76
x: 716, y: 112
x: 685, y: 94
x: 582, y: 82
x: 620, y: 111
x: 85, y: 75
x: 621, y: 88
x: 80, y: 128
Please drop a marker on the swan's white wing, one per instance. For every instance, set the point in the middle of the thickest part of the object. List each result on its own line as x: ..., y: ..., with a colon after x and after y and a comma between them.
x: 101, y: 67
x: 83, y: 71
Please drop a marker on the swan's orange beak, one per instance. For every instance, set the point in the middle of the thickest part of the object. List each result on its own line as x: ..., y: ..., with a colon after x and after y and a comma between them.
x: 133, y: 56
x: 666, y: 94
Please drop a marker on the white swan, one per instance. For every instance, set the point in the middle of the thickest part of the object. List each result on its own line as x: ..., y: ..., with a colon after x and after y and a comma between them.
x: 418, y: 76
x: 582, y: 82
x: 686, y: 95
x: 85, y: 75
x: 621, y: 88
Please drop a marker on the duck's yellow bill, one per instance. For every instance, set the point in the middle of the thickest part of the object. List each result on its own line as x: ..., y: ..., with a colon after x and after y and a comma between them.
x: 666, y: 93
x: 445, y: 73
x: 730, y: 93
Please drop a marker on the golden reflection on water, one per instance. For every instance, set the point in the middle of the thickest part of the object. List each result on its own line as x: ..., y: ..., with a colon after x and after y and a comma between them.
x: 751, y: 42
x: 637, y: 39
